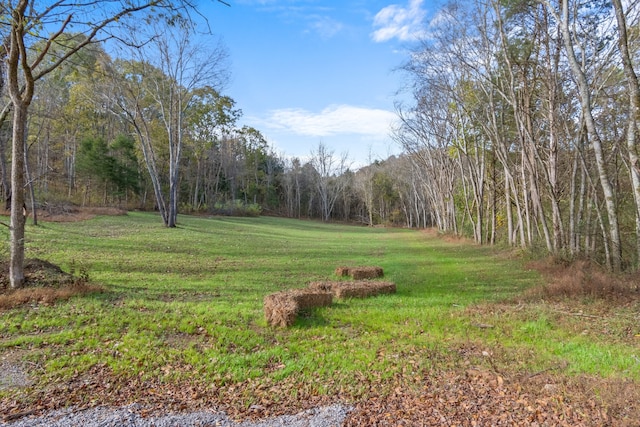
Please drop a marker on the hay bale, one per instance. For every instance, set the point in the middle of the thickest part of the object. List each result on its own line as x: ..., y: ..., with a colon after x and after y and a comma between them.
x: 322, y: 286
x: 364, y: 289
x: 309, y: 298
x: 360, y: 289
x: 282, y: 308
x: 382, y: 288
x: 360, y: 273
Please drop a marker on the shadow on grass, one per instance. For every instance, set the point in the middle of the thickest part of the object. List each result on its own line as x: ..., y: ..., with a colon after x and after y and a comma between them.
x: 309, y: 319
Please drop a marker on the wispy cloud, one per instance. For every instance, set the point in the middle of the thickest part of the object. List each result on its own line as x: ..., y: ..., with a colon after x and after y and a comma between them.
x: 315, y: 17
x: 402, y: 22
x: 333, y: 120
x: 325, y: 26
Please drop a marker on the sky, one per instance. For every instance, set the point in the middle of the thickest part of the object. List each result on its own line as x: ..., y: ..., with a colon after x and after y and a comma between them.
x: 307, y: 72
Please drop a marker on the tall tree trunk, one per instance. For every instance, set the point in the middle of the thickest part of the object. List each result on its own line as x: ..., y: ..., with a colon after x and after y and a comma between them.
x: 174, y: 160
x: 29, y: 185
x: 196, y: 200
x: 16, y: 266
x: 174, y: 131
x: 634, y: 114
x: 594, y: 135
x: 149, y: 158
x: 552, y: 59
x: 20, y: 98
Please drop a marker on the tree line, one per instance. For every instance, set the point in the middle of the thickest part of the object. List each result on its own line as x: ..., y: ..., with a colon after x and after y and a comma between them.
x: 524, y: 122
x: 151, y: 129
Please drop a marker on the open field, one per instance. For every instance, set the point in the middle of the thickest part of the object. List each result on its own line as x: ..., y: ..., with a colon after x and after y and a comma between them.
x: 180, y: 322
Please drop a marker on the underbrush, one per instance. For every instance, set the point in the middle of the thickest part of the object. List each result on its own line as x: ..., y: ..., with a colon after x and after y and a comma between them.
x: 236, y: 208
x: 582, y: 279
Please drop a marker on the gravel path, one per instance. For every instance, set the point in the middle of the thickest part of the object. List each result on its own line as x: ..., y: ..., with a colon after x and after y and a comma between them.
x: 12, y: 376
x: 129, y: 416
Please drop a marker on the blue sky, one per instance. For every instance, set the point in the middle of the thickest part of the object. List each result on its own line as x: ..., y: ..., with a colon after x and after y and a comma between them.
x: 312, y: 71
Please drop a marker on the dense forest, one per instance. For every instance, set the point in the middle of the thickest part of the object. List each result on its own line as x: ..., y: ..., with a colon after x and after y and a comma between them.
x: 522, y: 130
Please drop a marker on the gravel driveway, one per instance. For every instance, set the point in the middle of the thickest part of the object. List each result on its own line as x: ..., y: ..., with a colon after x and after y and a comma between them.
x: 11, y: 375
x: 129, y: 416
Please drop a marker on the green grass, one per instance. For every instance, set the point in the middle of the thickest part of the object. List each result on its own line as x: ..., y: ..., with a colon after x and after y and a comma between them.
x: 187, y: 302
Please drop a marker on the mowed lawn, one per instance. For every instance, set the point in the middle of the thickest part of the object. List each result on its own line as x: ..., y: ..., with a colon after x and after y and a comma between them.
x: 187, y: 303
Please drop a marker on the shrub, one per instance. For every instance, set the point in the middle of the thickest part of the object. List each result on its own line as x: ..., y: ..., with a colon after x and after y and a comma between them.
x: 236, y: 208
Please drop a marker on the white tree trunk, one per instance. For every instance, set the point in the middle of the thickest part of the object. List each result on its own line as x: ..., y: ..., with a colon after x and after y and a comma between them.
x: 634, y: 113
x: 594, y: 136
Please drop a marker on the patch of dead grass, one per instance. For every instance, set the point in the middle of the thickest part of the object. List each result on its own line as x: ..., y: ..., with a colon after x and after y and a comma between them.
x: 74, y: 214
x: 448, y: 237
x: 44, y: 296
x: 45, y: 283
x: 431, y: 232
x: 582, y: 279
x: 474, y: 396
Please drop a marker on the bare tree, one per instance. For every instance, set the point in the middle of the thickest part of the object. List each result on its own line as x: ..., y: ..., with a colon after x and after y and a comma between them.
x: 329, y: 183
x: 161, y: 88
x: 364, y: 188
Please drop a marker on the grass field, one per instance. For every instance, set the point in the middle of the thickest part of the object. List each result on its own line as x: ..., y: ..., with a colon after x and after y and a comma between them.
x: 185, y: 304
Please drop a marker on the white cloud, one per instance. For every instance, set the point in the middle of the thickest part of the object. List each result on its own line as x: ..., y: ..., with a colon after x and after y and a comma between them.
x: 333, y: 120
x: 403, y: 23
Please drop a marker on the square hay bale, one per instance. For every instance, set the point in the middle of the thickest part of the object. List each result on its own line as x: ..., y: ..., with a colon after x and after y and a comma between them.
x: 364, y: 289
x: 360, y: 289
x: 360, y: 273
x: 352, y: 290
x: 322, y: 286
x: 282, y: 308
x: 309, y: 298
x: 382, y: 288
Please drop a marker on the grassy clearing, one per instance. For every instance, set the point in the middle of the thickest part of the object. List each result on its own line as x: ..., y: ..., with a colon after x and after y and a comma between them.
x: 187, y: 303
